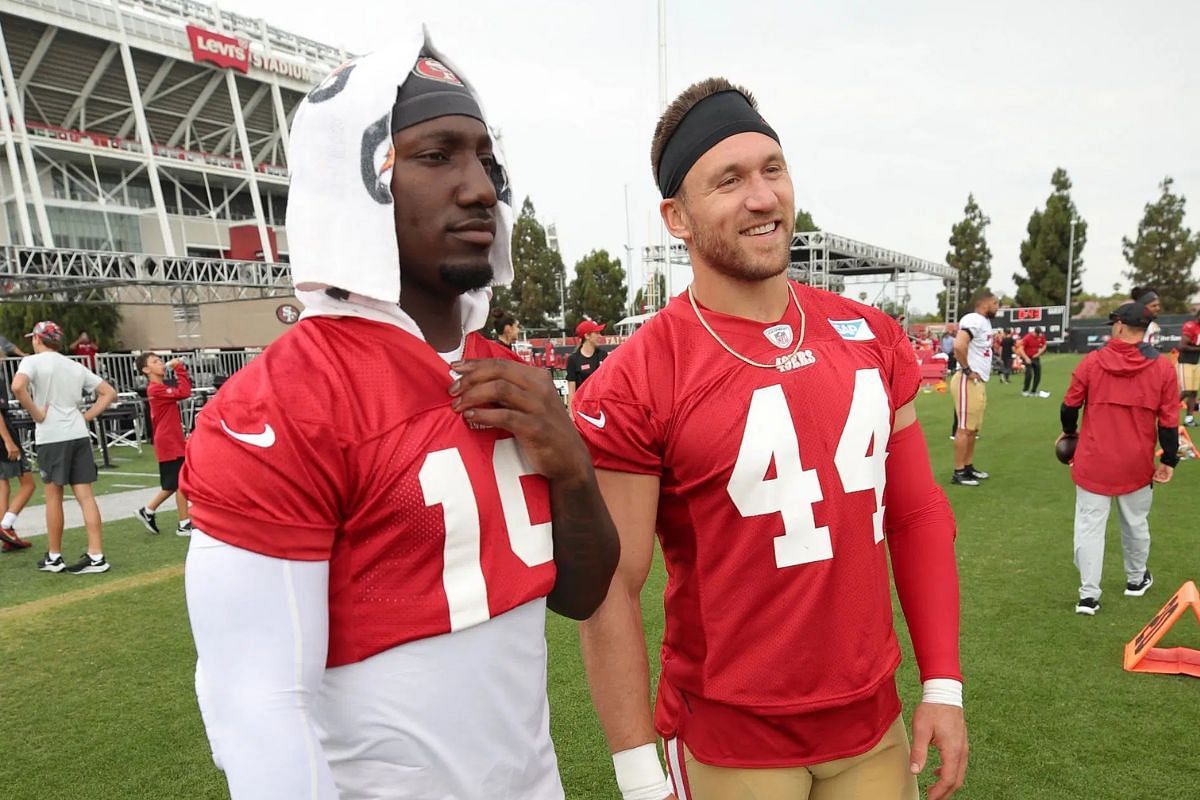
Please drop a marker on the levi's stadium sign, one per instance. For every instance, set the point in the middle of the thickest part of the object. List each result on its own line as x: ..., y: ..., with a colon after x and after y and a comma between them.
x: 227, y: 52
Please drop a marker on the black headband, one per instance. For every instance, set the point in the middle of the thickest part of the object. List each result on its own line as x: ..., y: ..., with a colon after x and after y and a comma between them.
x: 1147, y: 298
x: 713, y: 119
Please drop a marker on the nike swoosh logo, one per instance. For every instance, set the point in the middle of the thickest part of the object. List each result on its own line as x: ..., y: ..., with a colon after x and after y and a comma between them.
x: 264, y: 439
x: 597, y: 421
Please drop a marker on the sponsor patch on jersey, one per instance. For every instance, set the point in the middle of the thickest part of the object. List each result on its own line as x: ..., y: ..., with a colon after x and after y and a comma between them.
x: 779, y: 335
x: 853, y: 330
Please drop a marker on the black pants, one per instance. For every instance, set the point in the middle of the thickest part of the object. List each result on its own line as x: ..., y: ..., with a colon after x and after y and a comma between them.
x: 1033, y: 374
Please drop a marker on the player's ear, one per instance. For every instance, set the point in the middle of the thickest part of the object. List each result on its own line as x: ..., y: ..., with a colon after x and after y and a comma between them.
x: 675, y: 219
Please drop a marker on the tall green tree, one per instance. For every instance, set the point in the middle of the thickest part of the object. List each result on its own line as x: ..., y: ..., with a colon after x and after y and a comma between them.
x: 598, y: 290
x: 100, y: 320
x: 534, y: 296
x: 804, y: 222
x: 1044, y: 251
x: 970, y: 255
x: 1164, y: 251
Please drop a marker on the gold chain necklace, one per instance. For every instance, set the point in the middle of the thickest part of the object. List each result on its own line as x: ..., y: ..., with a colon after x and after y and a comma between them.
x: 736, y: 354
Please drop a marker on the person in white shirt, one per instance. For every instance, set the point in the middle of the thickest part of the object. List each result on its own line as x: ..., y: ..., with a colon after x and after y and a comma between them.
x: 973, y: 354
x: 1148, y: 296
x: 49, y: 386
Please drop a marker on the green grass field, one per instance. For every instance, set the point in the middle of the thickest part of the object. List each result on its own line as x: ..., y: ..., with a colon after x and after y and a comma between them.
x: 96, y: 700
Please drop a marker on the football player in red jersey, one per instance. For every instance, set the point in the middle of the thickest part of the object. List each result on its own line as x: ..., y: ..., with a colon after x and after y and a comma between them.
x: 384, y: 502
x: 766, y: 431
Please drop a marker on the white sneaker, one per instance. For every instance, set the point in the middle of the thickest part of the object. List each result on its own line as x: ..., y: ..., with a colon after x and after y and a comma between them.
x: 1026, y: 394
x: 1043, y: 394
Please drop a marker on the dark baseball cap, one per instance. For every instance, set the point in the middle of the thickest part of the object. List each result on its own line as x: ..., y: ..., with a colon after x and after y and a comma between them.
x: 1133, y: 314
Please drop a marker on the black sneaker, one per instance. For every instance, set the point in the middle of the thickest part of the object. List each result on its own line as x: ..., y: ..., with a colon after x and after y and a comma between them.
x: 962, y: 477
x: 1138, y: 589
x: 87, y: 565
x: 51, y: 565
x: 978, y: 474
x: 147, y: 518
x: 1087, y: 605
x: 185, y: 529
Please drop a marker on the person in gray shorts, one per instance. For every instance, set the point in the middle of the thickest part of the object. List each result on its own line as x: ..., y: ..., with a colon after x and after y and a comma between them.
x: 13, y: 464
x: 49, y: 386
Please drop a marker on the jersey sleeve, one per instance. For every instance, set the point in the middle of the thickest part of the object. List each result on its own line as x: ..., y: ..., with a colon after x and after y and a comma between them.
x: 1168, y: 404
x: 265, y: 468
x: 1076, y: 394
x: 905, y: 380
x: 617, y: 423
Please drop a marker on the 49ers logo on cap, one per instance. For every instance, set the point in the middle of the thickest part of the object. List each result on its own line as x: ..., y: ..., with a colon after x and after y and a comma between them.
x: 435, y: 70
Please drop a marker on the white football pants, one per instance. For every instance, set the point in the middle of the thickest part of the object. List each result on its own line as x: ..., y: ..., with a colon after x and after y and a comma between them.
x: 1091, y: 519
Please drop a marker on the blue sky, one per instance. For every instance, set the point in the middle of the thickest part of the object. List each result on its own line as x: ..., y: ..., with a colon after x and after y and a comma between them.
x: 889, y: 112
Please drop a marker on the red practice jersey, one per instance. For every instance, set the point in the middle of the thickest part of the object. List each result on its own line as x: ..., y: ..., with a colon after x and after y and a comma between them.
x: 779, y: 646
x: 319, y: 449
x: 164, y: 414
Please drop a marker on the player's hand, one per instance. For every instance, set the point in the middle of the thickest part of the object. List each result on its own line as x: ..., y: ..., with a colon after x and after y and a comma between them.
x: 522, y: 400
x: 1163, y: 473
x: 945, y: 728
x: 12, y: 450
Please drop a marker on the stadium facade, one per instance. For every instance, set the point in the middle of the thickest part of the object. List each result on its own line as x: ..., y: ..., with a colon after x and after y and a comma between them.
x: 145, y: 155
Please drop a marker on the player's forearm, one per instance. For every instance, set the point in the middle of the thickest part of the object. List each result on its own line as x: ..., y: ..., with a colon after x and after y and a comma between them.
x: 260, y: 626
x: 614, y: 655
x: 586, y: 547
x: 920, y: 533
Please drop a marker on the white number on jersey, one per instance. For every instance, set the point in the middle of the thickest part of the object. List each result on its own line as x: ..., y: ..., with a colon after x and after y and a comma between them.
x: 770, y: 437
x: 445, y: 482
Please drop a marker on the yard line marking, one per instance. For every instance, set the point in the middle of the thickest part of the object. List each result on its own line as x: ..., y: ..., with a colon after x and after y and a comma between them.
x: 130, y: 474
x: 131, y: 486
x: 34, y: 607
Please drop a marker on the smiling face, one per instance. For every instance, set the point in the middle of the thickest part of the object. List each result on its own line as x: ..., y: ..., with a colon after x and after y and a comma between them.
x: 736, y: 209
x: 445, y: 204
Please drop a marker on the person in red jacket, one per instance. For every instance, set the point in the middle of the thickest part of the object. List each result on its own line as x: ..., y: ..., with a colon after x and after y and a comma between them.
x: 168, y: 435
x: 1131, y: 395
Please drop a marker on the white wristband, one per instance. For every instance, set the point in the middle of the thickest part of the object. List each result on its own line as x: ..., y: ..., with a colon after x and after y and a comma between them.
x: 944, y: 691
x: 640, y: 774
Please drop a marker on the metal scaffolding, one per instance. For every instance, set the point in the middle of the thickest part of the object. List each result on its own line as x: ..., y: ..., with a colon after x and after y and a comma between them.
x: 824, y: 260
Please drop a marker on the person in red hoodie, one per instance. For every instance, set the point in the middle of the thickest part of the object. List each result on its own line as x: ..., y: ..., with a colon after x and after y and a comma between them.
x: 168, y: 435
x: 1132, y: 401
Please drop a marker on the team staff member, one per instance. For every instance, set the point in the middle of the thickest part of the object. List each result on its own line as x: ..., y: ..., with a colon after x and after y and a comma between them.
x: 13, y: 464
x: 168, y: 435
x: 586, y: 359
x: 1033, y: 345
x: 1189, y: 366
x: 1131, y: 401
x: 968, y: 387
x: 1007, y: 344
x: 765, y: 430
x: 385, y: 504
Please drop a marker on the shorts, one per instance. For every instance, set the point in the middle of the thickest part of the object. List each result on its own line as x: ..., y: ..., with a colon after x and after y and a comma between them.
x: 168, y: 474
x: 970, y: 399
x: 67, y: 463
x: 1189, y: 377
x: 13, y: 469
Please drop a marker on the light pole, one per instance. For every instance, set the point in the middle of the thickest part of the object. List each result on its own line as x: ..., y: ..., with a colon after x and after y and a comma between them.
x: 1070, y: 267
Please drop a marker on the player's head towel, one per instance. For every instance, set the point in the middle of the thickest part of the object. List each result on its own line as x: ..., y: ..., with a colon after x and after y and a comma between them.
x: 340, y: 219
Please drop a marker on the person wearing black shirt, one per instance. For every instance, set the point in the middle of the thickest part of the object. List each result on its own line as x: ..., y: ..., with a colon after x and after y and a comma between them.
x: 1007, y: 344
x: 586, y: 358
x: 505, y: 327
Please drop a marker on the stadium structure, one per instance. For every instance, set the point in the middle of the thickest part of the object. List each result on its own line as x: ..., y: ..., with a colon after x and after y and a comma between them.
x: 146, y: 163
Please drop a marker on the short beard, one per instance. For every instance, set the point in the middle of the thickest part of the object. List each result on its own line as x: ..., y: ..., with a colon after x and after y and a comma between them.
x: 725, y: 258
x: 466, y: 277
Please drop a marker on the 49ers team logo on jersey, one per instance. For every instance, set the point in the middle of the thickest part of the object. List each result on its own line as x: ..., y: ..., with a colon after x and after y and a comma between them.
x: 779, y: 335
x: 797, y: 360
x: 435, y: 70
